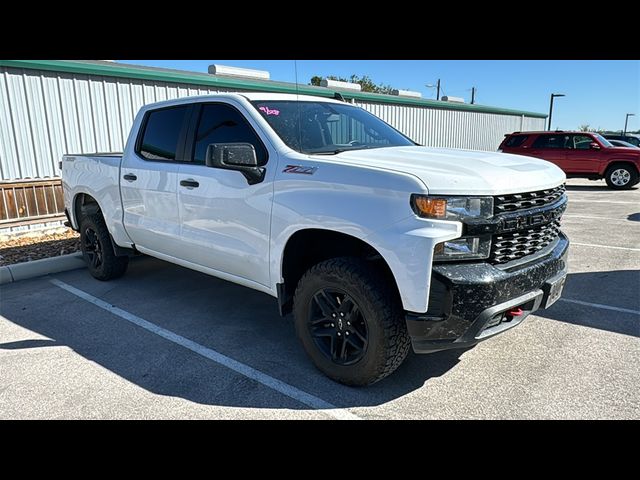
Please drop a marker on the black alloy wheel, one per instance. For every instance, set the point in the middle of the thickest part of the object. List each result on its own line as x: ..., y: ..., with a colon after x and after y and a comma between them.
x: 92, y: 248
x: 338, y: 326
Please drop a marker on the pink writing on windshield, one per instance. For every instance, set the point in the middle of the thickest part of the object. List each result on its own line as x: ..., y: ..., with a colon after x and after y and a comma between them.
x: 269, y: 111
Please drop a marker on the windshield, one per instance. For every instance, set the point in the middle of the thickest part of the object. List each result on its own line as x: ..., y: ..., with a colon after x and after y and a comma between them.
x: 328, y: 128
x: 603, y: 140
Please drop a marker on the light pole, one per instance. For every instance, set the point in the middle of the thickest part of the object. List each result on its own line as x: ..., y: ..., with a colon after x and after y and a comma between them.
x: 626, y: 119
x: 436, y: 86
x: 553, y: 95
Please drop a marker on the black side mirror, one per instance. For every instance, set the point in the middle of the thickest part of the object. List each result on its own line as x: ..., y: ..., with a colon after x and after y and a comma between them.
x: 594, y: 146
x: 236, y: 156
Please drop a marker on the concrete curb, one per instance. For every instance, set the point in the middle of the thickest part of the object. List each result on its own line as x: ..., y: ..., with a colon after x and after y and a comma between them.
x: 38, y: 268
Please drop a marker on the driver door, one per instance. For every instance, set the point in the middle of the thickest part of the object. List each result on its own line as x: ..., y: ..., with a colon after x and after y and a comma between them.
x: 581, y: 157
x: 225, y: 221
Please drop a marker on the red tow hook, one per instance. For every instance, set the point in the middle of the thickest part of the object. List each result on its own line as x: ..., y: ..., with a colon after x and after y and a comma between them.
x: 514, y: 312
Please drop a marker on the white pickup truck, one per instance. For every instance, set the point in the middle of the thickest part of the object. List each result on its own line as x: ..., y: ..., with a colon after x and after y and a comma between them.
x: 373, y: 242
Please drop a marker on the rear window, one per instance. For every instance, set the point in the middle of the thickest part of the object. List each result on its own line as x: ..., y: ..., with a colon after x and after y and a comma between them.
x: 515, y: 140
x: 161, y: 133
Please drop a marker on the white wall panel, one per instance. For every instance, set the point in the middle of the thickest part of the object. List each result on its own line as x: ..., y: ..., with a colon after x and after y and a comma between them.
x: 45, y: 114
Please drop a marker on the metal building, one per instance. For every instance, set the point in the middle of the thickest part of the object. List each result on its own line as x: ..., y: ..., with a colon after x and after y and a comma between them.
x: 49, y: 108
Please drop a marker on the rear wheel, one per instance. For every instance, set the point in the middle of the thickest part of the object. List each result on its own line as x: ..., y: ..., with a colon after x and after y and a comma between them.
x: 350, y: 322
x: 97, y: 249
x: 621, y: 176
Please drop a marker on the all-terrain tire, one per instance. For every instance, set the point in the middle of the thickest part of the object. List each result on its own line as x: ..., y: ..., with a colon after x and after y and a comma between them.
x: 378, y: 312
x: 97, y: 249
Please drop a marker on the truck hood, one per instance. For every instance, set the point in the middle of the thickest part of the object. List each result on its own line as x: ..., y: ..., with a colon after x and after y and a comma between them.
x: 461, y: 172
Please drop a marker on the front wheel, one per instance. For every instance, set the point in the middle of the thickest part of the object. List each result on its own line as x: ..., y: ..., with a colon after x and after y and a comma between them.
x: 97, y: 249
x: 350, y: 322
x: 620, y: 177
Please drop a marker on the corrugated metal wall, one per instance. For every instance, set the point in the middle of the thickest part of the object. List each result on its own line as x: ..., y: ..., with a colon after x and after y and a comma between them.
x: 452, y: 128
x: 44, y: 115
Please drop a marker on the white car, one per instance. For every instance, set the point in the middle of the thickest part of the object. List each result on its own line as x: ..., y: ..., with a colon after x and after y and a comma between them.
x: 373, y: 242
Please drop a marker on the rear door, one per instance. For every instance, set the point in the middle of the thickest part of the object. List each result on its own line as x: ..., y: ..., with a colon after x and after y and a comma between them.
x: 225, y: 221
x: 550, y: 147
x: 581, y: 158
x: 149, y: 178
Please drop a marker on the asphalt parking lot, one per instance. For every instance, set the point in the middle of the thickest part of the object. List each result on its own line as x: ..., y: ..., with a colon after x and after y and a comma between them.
x: 166, y: 342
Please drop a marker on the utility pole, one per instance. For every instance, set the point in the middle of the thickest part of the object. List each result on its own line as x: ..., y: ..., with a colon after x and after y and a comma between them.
x: 473, y: 95
x: 436, y: 86
x: 626, y: 120
x: 553, y: 95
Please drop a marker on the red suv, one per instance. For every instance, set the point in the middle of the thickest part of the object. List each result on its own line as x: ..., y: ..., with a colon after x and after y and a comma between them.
x: 579, y: 154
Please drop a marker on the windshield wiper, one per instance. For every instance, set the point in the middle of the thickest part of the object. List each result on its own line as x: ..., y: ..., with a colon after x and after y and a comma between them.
x: 340, y: 150
x: 333, y: 152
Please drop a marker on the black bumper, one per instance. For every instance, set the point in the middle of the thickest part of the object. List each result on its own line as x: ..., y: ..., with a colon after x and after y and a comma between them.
x: 470, y: 302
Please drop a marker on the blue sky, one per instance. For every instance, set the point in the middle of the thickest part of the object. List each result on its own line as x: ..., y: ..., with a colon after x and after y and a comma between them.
x: 598, y: 93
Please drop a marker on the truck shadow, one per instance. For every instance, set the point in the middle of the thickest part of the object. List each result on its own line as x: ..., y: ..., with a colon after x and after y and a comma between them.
x: 239, y: 323
x: 619, y: 289
x: 243, y: 325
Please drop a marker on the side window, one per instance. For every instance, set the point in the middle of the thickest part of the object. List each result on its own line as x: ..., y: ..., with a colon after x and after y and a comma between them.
x: 221, y: 123
x: 582, y: 142
x: 551, y: 141
x: 516, y: 140
x: 162, y: 130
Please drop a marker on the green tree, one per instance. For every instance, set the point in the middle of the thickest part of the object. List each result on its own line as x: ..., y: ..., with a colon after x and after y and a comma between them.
x: 365, y: 82
x: 586, y: 128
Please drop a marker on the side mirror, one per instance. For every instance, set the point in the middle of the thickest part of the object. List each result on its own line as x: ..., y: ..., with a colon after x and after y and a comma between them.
x: 594, y: 146
x: 236, y: 156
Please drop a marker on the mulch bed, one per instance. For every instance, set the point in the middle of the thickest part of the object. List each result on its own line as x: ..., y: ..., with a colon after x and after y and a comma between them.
x: 37, y: 245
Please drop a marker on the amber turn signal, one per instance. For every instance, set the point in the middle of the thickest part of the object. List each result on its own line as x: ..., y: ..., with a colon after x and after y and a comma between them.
x: 429, y: 207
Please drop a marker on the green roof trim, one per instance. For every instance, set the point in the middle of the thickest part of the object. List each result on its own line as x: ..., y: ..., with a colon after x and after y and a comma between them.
x: 203, y: 79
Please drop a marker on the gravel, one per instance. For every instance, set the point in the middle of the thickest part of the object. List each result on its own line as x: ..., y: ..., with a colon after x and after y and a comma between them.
x: 38, y: 245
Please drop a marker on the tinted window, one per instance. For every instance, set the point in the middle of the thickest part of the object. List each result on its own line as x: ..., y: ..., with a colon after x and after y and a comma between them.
x: 515, y: 140
x: 224, y: 124
x: 581, y: 142
x: 161, y: 133
x: 551, y: 141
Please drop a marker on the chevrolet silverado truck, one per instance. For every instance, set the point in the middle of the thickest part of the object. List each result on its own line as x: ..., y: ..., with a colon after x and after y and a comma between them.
x: 374, y: 243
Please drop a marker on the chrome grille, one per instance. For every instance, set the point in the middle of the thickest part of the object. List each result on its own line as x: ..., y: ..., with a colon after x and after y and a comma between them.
x: 523, y: 201
x: 506, y: 247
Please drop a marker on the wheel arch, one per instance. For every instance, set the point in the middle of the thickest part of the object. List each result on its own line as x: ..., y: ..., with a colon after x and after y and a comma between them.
x: 84, y: 204
x: 615, y: 163
x: 309, y: 246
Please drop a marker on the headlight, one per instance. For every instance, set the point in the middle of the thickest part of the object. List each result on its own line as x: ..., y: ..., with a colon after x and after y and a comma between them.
x: 458, y: 209
x: 452, y: 208
x: 466, y: 248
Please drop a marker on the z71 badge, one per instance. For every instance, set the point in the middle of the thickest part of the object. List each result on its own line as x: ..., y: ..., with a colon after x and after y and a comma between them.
x: 300, y: 169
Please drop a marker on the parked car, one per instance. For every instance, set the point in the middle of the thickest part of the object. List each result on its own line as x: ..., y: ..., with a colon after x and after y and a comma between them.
x: 632, y: 139
x: 620, y: 143
x: 374, y: 243
x: 579, y: 154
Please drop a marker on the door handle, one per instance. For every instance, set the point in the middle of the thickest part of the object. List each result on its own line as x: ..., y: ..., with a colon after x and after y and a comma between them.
x: 130, y: 177
x: 189, y: 183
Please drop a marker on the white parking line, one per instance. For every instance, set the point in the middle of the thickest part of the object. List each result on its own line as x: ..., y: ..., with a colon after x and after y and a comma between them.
x: 596, y: 218
x: 249, y: 372
x: 606, y: 246
x: 574, y: 200
x: 600, y: 305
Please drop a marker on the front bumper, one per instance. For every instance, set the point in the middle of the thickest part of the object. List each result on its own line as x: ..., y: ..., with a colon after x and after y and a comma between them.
x: 469, y: 302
